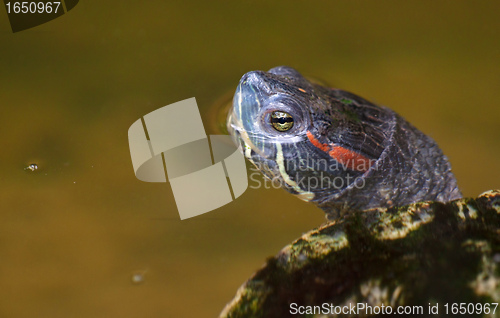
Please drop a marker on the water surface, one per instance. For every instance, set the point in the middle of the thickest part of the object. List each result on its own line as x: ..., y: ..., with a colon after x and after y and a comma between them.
x: 75, y: 232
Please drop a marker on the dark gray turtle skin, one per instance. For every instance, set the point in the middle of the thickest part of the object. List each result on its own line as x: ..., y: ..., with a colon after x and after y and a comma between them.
x: 411, y: 258
x: 333, y: 148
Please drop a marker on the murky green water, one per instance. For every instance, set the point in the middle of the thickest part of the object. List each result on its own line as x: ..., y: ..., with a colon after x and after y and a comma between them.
x: 75, y: 232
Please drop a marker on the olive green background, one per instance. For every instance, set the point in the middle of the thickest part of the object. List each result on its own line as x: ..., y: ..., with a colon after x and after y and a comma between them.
x: 74, y: 232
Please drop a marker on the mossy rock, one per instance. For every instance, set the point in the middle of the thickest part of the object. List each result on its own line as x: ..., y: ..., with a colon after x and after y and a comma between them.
x: 424, y: 254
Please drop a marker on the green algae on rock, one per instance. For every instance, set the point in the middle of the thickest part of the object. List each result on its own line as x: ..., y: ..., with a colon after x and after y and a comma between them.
x: 421, y: 255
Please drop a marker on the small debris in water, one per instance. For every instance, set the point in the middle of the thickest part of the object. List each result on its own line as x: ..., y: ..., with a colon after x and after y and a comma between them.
x: 138, y: 277
x: 32, y: 167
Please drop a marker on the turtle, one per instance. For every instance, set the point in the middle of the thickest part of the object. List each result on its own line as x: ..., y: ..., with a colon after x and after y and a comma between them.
x: 398, y: 236
x: 333, y: 148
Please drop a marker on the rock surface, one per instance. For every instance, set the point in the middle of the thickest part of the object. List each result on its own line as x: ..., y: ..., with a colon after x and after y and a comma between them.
x: 426, y: 255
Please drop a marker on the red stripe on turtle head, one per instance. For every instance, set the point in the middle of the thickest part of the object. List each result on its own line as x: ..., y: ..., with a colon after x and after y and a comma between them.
x: 316, y: 143
x: 348, y: 158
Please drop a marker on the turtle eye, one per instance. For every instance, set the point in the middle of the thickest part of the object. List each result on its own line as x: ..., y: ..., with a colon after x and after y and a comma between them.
x: 281, y: 121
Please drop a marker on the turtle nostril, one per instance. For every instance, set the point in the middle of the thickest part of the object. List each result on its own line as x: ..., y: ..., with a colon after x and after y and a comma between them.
x: 253, y: 78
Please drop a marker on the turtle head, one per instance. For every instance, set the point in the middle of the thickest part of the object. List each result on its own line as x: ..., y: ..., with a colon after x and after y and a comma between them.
x: 334, y: 148
x: 268, y: 110
x: 309, y: 138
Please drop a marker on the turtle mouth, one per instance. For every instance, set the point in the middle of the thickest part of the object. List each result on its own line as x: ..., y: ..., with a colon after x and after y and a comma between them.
x: 241, y: 136
x: 246, y: 104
